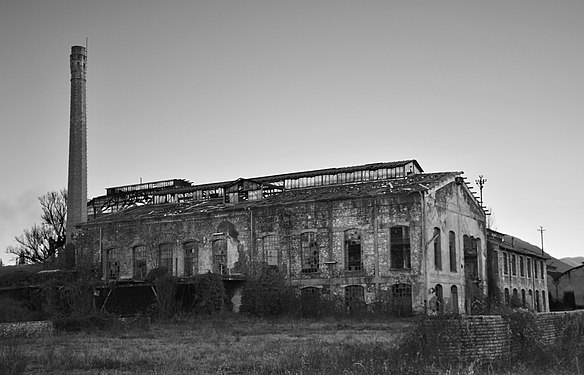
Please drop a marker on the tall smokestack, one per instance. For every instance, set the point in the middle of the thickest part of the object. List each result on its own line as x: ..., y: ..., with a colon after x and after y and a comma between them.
x: 77, y: 185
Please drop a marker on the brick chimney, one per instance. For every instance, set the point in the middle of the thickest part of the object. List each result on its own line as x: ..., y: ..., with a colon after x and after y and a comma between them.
x: 77, y: 179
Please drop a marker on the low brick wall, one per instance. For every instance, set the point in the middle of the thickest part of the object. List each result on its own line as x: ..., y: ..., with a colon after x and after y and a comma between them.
x: 488, y: 338
x: 26, y: 329
x: 481, y: 338
x: 555, y: 326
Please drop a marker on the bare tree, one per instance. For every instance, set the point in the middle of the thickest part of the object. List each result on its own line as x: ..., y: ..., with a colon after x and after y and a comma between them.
x: 41, y: 242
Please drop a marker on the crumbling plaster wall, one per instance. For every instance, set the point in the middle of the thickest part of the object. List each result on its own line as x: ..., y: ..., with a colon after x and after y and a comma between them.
x: 452, y: 208
x: 373, y: 217
x: 176, y: 230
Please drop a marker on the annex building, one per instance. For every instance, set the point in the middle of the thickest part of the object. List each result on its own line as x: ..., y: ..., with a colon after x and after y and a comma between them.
x: 358, y: 232
x: 518, y: 271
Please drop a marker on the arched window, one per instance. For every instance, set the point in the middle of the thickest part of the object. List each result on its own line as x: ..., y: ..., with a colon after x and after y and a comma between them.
x: 270, y: 250
x: 439, y: 298
x: 454, y: 298
x: 400, y: 247
x: 191, y: 258
x: 452, y: 251
x: 113, y: 264
x: 537, y: 305
x: 219, y: 249
x: 437, y: 249
x: 530, y: 299
x: 507, y: 299
x: 543, y: 300
x: 309, y: 252
x: 165, y: 257
x: 139, y: 262
x: 523, y: 300
x: 353, y: 254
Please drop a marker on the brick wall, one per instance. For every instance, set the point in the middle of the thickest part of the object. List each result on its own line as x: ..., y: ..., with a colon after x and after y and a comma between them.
x: 489, y: 338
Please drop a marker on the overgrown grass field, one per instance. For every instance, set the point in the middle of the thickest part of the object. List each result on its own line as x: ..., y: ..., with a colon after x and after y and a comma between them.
x: 236, y: 345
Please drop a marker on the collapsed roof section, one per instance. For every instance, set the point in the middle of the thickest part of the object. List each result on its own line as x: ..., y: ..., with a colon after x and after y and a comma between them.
x: 178, y: 190
x: 411, y: 184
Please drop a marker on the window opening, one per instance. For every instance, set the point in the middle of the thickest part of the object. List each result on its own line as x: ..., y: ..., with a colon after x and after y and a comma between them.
x: 139, y: 255
x: 191, y: 259
x: 400, y: 247
x: 353, y: 255
x: 310, y: 253
x: 270, y: 250
x: 165, y: 257
x: 454, y: 298
x: 439, y: 298
x: 355, y: 298
x: 437, y: 249
x: 219, y: 249
x: 113, y: 264
x: 452, y: 251
x: 402, y: 299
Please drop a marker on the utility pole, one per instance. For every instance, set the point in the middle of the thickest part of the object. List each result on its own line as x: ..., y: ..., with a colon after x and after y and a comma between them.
x: 481, y: 182
x: 541, y: 230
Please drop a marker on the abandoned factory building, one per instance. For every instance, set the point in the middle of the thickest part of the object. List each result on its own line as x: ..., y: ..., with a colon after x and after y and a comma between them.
x: 358, y: 232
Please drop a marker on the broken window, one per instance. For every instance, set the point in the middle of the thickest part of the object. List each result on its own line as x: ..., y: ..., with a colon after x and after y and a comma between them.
x: 165, y: 257
x: 139, y: 260
x: 507, y: 299
x: 353, y: 255
x: 191, y: 259
x: 402, y: 299
x: 437, y: 249
x: 270, y: 250
x: 113, y: 264
x: 400, y: 247
x: 309, y: 250
x: 355, y: 298
x: 219, y: 249
x: 452, y: 251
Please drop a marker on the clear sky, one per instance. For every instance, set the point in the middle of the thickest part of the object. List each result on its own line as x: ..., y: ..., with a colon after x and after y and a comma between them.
x: 216, y: 90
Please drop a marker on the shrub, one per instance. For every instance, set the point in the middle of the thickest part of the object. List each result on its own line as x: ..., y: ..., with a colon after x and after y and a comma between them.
x: 63, y: 299
x: 267, y: 294
x: 155, y: 273
x: 208, y: 294
x: 12, y: 310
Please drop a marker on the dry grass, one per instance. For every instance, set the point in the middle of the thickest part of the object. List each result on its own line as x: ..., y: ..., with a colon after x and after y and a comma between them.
x: 234, y: 345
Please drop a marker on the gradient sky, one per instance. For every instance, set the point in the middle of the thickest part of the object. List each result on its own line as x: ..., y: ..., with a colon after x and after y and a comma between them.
x: 215, y: 90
